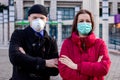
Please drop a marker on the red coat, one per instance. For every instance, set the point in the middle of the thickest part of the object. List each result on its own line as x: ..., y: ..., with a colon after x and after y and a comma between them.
x: 85, y: 52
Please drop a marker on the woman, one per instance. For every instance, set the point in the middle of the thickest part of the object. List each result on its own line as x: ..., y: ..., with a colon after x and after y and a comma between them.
x: 83, y: 56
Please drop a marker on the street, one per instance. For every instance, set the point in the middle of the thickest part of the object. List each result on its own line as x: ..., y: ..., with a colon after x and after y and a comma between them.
x: 6, y: 67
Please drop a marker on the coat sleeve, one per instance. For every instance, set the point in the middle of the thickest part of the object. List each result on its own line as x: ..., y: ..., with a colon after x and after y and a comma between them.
x: 53, y: 54
x: 23, y: 60
x: 65, y: 72
x: 97, y: 68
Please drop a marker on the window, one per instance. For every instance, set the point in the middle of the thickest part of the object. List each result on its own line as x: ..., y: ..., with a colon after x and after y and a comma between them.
x: 53, y: 31
x: 109, y: 9
x: 100, y: 13
x: 67, y: 13
x: 100, y: 30
x: 66, y: 31
x: 48, y: 9
x: 114, y: 34
x: 26, y: 12
x: 118, y: 8
x: 100, y: 9
x: 11, y: 2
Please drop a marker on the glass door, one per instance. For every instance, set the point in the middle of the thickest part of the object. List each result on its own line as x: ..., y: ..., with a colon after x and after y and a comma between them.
x: 53, y: 31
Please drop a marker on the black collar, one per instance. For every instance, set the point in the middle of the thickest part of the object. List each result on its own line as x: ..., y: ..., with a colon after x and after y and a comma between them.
x: 33, y: 34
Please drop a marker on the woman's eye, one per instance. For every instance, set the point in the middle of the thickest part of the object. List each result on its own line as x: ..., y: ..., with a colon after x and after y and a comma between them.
x: 81, y: 21
x: 88, y: 21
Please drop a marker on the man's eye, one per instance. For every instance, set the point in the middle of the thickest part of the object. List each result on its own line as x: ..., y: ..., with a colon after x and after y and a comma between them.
x: 42, y: 18
x: 34, y: 17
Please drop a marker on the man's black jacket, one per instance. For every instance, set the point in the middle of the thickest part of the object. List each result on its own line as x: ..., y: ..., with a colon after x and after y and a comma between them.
x: 31, y: 65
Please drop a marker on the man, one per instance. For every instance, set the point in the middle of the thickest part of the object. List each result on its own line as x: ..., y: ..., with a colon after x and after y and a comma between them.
x: 32, y: 52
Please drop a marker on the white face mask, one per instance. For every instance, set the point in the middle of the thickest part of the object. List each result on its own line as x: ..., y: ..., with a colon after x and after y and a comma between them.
x: 38, y: 25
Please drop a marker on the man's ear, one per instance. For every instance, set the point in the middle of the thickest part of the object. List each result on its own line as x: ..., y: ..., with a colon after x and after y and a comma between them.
x: 47, y: 19
x: 29, y: 18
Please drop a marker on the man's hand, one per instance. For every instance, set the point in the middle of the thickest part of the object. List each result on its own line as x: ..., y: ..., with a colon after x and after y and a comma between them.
x: 21, y: 50
x: 52, y: 63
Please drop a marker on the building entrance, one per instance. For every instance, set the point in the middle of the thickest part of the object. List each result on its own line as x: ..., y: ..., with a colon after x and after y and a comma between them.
x: 53, y: 31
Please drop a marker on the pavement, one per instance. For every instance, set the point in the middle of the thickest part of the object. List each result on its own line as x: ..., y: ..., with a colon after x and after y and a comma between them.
x: 6, y: 67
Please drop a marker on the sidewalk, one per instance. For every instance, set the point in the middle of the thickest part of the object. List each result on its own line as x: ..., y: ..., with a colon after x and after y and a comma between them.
x: 6, y: 67
x: 114, y: 51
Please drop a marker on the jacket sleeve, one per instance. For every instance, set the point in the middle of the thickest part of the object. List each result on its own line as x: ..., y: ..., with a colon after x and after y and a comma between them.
x: 65, y: 72
x: 53, y: 54
x: 96, y: 68
x: 23, y: 60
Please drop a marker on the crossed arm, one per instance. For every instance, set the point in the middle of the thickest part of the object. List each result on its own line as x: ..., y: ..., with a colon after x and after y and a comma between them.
x: 20, y: 58
x: 98, y: 68
x: 48, y: 63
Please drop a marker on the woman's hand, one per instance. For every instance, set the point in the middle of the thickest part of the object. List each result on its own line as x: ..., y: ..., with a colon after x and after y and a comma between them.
x: 100, y: 58
x: 21, y: 50
x: 68, y: 62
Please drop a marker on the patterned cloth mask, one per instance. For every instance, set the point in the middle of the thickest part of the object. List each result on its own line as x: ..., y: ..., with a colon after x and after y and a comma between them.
x: 84, y: 28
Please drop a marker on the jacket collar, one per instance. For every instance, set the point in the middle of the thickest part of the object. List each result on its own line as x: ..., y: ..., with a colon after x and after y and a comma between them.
x: 83, y: 43
x: 33, y: 34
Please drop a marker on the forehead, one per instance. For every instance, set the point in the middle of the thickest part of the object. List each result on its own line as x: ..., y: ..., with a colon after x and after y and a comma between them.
x: 83, y: 16
x: 37, y: 15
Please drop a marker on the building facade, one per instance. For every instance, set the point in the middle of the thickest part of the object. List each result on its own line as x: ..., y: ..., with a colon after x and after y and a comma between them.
x: 61, y: 15
x: 7, y: 21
